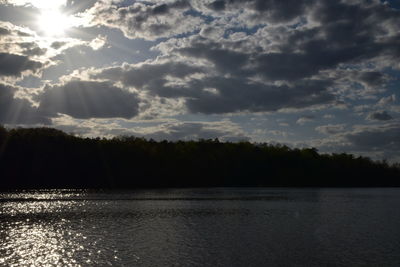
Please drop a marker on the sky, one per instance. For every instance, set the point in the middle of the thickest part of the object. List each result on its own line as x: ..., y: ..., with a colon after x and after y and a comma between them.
x: 304, y: 73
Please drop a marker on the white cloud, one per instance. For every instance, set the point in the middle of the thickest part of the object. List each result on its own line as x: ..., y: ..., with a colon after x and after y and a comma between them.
x: 305, y: 119
x: 98, y: 42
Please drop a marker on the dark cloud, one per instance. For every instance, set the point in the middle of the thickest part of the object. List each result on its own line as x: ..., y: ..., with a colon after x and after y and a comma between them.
x: 148, y: 75
x: 379, y: 116
x: 58, y: 44
x: 8, y: 29
x: 374, y: 81
x: 14, y: 65
x: 16, y: 110
x: 31, y: 49
x: 274, y: 68
x: 290, y: 66
x: 376, y: 137
x: 88, y: 99
x: 4, y: 31
x: 331, y: 129
x: 265, y: 10
x: 343, y: 33
x: 377, y: 141
x: 215, y: 94
x: 372, y: 78
x: 225, y: 60
x: 234, y: 95
x: 73, y: 6
x: 358, y: 31
x: 218, y: 5
x: 313, y: 55
x: 388, y: 100
x: 340, y: 36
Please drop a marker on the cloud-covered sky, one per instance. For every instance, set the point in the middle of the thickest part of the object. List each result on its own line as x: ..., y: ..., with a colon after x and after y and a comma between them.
x: 321, y: 73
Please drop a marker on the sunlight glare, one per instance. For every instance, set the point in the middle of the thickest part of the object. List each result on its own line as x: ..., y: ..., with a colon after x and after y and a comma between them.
x: 48, y: 4
x: 51, y: 21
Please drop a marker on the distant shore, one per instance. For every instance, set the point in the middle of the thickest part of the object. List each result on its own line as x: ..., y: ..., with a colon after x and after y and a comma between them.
x: 49, y: 158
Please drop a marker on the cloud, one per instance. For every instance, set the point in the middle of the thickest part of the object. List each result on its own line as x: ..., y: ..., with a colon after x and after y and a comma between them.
x: 21, y: 45
x: 377, y: 141
x: 235, y: 95
x: 58, y: 44
x: 69, y: 6
x: 149, y: 75
x: 12, y: 33
x: 4, y: 31
x: 279, y: 60
x: 98, y: 42
x: 372, y: 78
x: 22, y: 51
x: 256, y: 11
x: 276, y: 67
x: 145, y: 20
x: 15, y: 110
x: 329, y: 116
x: 331, y: 129
x: 384, y: 137
x: 73, y: 6
x: 379, y: 116
x: 387, y: 100
x: 88, y: 99
x: 209, y: 94
x: 305, y: 119
x: 165, y: 129
x: 225, y: 131
x: 15, y: 65
x: 358, y: 84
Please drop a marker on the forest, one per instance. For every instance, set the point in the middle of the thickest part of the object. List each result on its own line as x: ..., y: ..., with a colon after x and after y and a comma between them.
x: 49, y: 158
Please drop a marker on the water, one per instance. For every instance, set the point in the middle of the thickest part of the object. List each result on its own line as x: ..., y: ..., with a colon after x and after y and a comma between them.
x: 201, y: 227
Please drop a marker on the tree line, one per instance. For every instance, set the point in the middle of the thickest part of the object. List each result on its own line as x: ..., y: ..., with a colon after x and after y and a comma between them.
x: 50, y: 158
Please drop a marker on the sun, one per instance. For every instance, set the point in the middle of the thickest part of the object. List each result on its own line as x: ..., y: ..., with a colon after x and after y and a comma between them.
x: 51, y: 20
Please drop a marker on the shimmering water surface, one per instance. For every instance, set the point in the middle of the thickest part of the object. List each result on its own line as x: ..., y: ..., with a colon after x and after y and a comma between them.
x: 201, y: 227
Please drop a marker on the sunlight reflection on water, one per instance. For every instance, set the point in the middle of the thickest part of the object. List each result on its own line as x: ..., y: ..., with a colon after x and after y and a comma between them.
x: 36, y: 234
x: 208, y: 227
x: 43, y: 228
x: 29, y: 244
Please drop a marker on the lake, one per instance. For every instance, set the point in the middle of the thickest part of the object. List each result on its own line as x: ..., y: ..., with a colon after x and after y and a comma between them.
x: 201, y: 227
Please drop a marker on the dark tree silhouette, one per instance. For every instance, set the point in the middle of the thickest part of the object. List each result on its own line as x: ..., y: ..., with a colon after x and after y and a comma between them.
x: 49, y: 158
